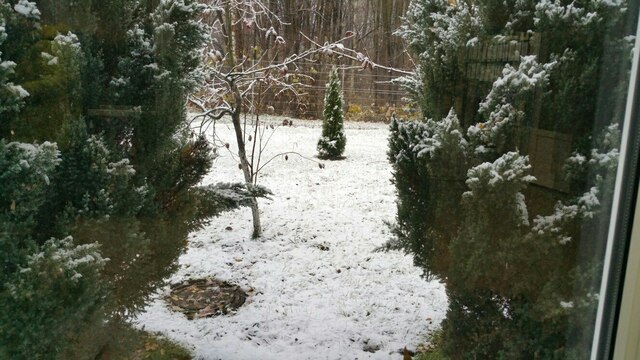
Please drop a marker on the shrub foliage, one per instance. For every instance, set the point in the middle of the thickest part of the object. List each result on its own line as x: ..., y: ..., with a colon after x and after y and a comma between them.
x: 95, y: 204
x: 521, y: 263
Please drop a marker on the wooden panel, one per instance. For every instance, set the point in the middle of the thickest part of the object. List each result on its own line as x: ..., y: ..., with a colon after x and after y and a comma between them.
x: 548, y: 152
x: 112, y: 112
x: 117, y: 111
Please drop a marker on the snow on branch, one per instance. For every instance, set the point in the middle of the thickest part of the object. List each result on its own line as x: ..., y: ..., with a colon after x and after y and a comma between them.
x: 509, y: 168
x: 503, y: 179
x: 500, y: 108
x: 221, y: 197
x: 601, y: 165
x: 445, y: 133
x: 27, y: 9
x: 351, y: 54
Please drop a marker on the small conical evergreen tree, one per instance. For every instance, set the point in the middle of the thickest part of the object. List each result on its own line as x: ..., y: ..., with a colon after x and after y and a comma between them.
x: 331, y: 144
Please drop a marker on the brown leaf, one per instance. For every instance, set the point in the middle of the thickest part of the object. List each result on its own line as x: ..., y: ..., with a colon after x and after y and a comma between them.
x: 207, y: 311
x: 406, y: 354
x: 13, y: 205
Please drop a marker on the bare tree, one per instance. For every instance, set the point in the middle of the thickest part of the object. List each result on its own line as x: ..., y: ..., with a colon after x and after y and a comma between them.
x: 237, y: 77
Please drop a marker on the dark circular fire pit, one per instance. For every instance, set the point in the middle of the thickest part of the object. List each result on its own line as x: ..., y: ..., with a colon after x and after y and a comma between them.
x: 200, y: 298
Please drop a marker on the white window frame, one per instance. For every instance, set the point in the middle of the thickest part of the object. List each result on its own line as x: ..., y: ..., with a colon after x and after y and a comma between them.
x: 617, y: 330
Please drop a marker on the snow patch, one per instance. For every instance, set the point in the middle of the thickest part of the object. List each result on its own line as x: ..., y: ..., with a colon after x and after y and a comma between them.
x: 27, y: 9
x: 344, y: 302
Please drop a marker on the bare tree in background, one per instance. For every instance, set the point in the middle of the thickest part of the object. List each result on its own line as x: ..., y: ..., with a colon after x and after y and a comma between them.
x: 248, y: 58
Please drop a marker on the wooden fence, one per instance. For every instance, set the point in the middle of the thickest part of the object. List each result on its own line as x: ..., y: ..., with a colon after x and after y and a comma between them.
x: 481, y: 65
x: 368, y: 94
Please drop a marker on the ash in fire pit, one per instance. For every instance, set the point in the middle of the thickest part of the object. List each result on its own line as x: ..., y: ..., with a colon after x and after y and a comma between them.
x: 199, y: 298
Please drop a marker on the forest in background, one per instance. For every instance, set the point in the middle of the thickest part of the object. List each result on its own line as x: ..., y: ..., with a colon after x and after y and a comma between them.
x: 369, y: 25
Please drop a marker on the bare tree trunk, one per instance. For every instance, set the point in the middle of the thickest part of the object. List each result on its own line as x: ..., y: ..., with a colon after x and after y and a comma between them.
x: 245, y: 166
x: 237, y: 126
x: 255, y: 214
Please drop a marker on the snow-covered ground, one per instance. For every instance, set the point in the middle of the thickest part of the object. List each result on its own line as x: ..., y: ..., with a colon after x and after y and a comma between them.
x: 320, y: 290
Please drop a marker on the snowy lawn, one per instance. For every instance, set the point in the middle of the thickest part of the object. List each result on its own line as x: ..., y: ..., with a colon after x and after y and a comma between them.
x: 319, y: 289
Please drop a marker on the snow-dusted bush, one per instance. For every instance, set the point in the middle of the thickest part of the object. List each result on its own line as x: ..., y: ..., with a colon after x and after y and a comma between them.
x: 437, y: 32
x: 11, y: 94
x: 331, y: 144
x: 430, y: 163
x: 46, y: 288
x: 121, y: 188
x: 522, y: 274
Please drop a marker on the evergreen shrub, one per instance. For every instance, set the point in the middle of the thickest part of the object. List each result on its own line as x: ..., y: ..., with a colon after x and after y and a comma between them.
x: 332, y: 143
x: 521, y: 274
x: 95, y: 210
